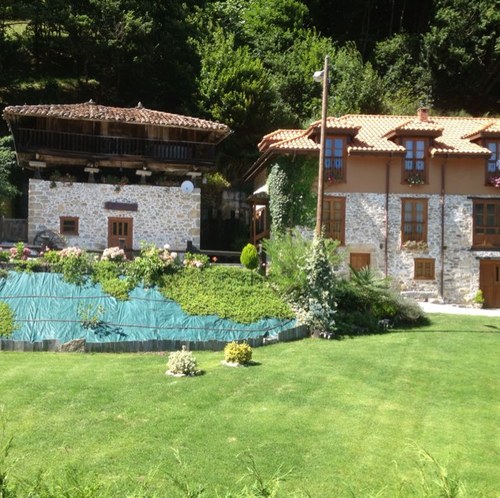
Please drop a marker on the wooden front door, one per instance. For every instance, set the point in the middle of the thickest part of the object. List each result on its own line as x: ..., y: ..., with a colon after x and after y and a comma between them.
x: 120, y: 233
x: 489, y: 282
x: 359, y: 260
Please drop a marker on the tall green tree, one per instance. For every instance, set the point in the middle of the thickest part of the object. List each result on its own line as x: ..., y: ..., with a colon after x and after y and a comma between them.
x: 405, y: 73
x: 356, y: 87
x: 234, y: 88
x: 463, y: 50
x: 7, y: 164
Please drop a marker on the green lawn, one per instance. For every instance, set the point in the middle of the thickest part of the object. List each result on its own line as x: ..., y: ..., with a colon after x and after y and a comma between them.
x: 348, y: 418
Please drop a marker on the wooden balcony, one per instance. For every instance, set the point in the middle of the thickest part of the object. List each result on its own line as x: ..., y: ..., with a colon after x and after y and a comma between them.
x: 33, y: 140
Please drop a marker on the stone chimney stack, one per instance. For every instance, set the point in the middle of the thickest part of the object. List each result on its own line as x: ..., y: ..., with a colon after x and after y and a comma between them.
x: 423, y: 114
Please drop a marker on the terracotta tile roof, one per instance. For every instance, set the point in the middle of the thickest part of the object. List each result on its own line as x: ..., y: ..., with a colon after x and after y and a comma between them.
x: 97, y: 112
x: 416, y: 127
x: 301, y: 143
x: 373, y: 133
x: 341, y: 125
x: 278, y: 136
x: 452, y: 140
x: 491, y: 128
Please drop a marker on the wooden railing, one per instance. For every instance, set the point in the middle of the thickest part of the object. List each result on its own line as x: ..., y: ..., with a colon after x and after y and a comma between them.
x: 176, y: 152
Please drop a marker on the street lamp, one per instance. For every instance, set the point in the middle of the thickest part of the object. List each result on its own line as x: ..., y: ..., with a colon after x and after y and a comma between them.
x: 322, y: 76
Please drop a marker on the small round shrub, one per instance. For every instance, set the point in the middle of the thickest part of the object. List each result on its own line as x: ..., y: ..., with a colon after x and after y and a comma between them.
x: 240, y: 353
x: 249, y: 257
x: 182, y: 363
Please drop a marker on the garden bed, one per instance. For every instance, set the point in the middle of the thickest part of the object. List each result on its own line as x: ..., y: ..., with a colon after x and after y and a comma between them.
x: 50, y: 312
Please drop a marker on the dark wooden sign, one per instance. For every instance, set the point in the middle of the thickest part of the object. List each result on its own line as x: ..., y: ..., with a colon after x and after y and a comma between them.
x: 121, y: 206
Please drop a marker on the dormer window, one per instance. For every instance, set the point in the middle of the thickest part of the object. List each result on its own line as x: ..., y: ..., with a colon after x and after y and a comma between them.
x: 335, y: 159
x: 493, y: 164
x: 415, y: 170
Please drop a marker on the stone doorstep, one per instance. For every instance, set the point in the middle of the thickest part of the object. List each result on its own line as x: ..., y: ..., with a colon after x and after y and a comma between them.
x: 422, y: 296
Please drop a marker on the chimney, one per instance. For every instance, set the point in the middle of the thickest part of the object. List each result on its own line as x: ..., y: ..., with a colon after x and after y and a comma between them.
x: 423, y: 114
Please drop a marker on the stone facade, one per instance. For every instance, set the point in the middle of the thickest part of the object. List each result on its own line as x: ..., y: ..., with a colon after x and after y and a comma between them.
x: 164, y: 215
x: 456, y: 265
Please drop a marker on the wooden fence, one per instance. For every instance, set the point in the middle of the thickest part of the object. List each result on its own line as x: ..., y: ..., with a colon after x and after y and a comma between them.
x: 80, y: 345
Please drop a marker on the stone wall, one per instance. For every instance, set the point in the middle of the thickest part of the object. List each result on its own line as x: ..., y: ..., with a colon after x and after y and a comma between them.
x: 366, y: 232
x: 164, y: 215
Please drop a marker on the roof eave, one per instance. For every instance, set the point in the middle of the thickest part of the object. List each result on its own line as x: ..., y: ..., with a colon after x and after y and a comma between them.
x: 458, y: 154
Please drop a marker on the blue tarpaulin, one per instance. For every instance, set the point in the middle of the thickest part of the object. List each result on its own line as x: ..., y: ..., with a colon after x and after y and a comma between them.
x: 47, y: 307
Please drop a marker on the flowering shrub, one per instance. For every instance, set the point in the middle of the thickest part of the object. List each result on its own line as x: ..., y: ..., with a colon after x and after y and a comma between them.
x: 182, y: 363
x: 72, y: 262
x: 113, y: 254
x: 70, y: 252
x: 151, y: 264
x: 196, y: 260
x: 240, y: 353
x: 170, y: 259
x: 19, y: 252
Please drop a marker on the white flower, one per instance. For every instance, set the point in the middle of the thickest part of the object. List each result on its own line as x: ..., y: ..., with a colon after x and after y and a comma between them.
x: 113, y: 254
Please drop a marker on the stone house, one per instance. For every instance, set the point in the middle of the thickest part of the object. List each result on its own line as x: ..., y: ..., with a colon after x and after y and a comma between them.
x: 106, y: 176
x: 416, y: 197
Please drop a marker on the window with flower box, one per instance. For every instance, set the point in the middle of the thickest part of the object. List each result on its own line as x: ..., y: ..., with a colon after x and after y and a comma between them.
x: 493, y: 164
x: 424, y: 269
x: 413, y: 220
x: 486, y: 223
x: 335, y: 149
x: 415, y: 161
x: 68, y: 225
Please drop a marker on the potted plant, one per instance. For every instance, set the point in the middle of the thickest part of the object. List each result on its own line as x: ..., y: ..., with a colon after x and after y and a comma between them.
x: 414, y: 179
x: 478, y: 300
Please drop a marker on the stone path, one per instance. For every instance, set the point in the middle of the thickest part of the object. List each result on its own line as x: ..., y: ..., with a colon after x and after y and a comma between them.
x: 454, y: 309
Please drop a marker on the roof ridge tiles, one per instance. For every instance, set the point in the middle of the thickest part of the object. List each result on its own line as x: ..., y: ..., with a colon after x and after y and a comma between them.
x: 93, y: 111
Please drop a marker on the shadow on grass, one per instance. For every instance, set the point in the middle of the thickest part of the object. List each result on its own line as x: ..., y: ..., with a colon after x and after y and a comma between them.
x: 358, y: 324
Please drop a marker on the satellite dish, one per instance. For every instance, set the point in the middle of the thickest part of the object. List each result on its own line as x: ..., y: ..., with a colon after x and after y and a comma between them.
x: 187, y: 187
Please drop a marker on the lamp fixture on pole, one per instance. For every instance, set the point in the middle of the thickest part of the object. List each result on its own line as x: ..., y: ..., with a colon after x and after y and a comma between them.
x: 322, y: 76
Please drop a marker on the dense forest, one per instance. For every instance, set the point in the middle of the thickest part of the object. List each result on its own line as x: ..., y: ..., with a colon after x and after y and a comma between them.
x: 249, y: 63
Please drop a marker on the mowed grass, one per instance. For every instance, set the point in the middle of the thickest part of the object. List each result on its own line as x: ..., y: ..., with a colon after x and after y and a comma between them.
x: 348, y: 418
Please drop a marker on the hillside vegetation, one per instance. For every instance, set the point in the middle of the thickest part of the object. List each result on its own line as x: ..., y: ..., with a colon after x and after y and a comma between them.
x: 249, y: 63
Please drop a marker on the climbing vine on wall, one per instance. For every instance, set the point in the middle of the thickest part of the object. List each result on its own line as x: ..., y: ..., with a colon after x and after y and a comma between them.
x: 291, y: 201
x: 279, y: 198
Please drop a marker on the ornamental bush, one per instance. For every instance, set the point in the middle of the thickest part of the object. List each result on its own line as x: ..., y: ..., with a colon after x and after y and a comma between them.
x: 7, y: 322
x: 182, y: 363
x: 235, y: 352
x: 249, y: 257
